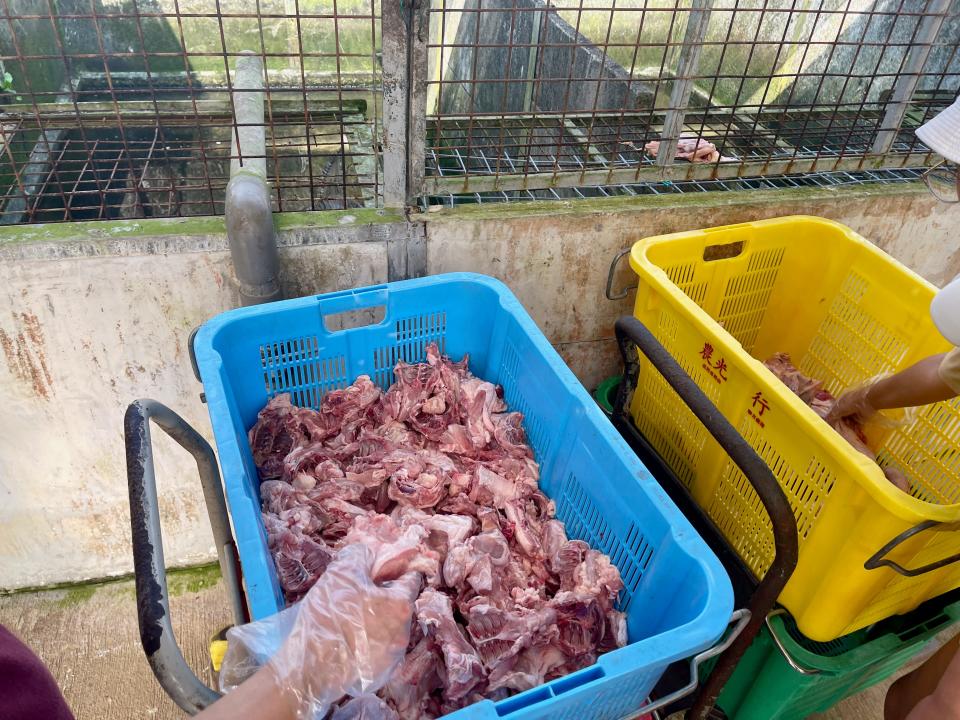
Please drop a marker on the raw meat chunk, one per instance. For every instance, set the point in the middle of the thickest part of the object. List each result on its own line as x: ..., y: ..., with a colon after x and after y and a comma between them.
x: 435, y: 475
x: 462, y: 667
x: 417, y: 677
x: 821, y: 401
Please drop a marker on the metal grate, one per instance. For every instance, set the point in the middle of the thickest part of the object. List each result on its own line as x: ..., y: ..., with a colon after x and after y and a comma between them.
x: 528, y: 94
x: 125, y: 109
x: 668, y: 187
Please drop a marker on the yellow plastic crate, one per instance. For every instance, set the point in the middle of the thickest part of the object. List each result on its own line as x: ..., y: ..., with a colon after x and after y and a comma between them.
x: 723, y: 299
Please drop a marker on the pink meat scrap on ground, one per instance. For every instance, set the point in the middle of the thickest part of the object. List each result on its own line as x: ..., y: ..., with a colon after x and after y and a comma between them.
x: 436, y: 475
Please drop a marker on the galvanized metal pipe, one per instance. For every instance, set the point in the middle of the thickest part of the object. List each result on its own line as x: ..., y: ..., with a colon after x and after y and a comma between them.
x: 248, y: 212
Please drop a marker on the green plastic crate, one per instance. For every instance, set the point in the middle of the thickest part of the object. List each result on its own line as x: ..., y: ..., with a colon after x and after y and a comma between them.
x: 765, y: 686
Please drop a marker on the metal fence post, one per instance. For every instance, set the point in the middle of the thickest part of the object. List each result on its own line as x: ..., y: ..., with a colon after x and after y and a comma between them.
x: 406, y: 29
x: 692, y: 46
x: 909, y: 76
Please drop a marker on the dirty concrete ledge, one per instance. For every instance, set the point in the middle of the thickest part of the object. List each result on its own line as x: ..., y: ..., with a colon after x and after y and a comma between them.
x: 208, y: 233
x: 160, y: 236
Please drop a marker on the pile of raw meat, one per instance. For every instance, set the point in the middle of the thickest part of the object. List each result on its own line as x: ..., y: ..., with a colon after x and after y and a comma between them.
x: 811, y: 391
x: 438, y: 468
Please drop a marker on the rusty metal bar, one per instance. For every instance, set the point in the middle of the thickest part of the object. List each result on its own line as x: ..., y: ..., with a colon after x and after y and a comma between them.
x: 797, y: 88
x: 105, y: 89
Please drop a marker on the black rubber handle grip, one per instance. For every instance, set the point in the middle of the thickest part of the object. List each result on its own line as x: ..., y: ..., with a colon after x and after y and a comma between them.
x: 153, y: 609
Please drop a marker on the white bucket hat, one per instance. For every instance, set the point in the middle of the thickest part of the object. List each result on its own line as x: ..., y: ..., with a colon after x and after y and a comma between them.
x: 942, y: 133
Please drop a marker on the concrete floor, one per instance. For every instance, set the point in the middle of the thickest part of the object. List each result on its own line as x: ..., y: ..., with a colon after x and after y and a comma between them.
x: 88, y: 637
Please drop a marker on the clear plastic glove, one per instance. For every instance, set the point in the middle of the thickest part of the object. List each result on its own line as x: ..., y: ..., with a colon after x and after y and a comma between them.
x: 344, y: 638
x: 365, y: 707
x: 854, y: 403
x: 859, y: 404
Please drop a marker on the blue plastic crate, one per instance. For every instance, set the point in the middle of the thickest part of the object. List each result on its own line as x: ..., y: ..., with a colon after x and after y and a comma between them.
x: 677, y: 596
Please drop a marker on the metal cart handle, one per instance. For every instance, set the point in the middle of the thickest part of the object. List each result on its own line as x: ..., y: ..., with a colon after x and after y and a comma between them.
x: 631, y: 332
x: 153, y: 609
x: 739, y: 620
x: 878, y: 559
x: 611, y: 272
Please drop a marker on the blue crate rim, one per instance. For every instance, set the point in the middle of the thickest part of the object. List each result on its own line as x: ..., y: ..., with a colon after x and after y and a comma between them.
x: 665, y: 646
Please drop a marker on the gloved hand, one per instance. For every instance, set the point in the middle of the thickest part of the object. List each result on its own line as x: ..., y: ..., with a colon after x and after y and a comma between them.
x: 348, y: 635
x: 855, y: 403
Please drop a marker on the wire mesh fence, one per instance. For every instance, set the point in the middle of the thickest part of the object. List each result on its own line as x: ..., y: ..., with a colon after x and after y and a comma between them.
x: 126, y: 108
x: 532, y: 94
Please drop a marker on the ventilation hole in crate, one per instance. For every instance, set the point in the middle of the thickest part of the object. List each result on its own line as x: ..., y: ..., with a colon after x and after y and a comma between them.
x: 665, y: 419
x: 412, y: 334
x: 746, y: 297
x: 535, y: 428
x: 738, y: 512
x: 852, y: 345
x: 631, y: 553
x: 683, y: 277
x: 295, y: 366
x: 830, y: 648
x: 926, y: 450
x: 667, y: 326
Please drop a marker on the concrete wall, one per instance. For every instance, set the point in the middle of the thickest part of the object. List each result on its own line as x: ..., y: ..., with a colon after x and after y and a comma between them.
x: 777, y: 52
x: 91, y: 317
x: 555, y: 256
x: 526, y: 81
x: 141, y: 35
x: 95, y: 315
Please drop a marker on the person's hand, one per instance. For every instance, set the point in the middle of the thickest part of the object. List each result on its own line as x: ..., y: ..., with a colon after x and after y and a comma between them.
x: 349, y: 635
x: 855, y: 403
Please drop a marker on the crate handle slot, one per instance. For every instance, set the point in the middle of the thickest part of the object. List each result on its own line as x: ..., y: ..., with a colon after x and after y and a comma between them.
x: 523, y: 701
x: 634, y: 336
x: 803, y: 670
x: 347, y: 300
x: 353, y: 319
x: 620, y: 294
x: 723, y: 251
x: 878, y: 559
x: 578, y: 679
x: 153, y: 608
